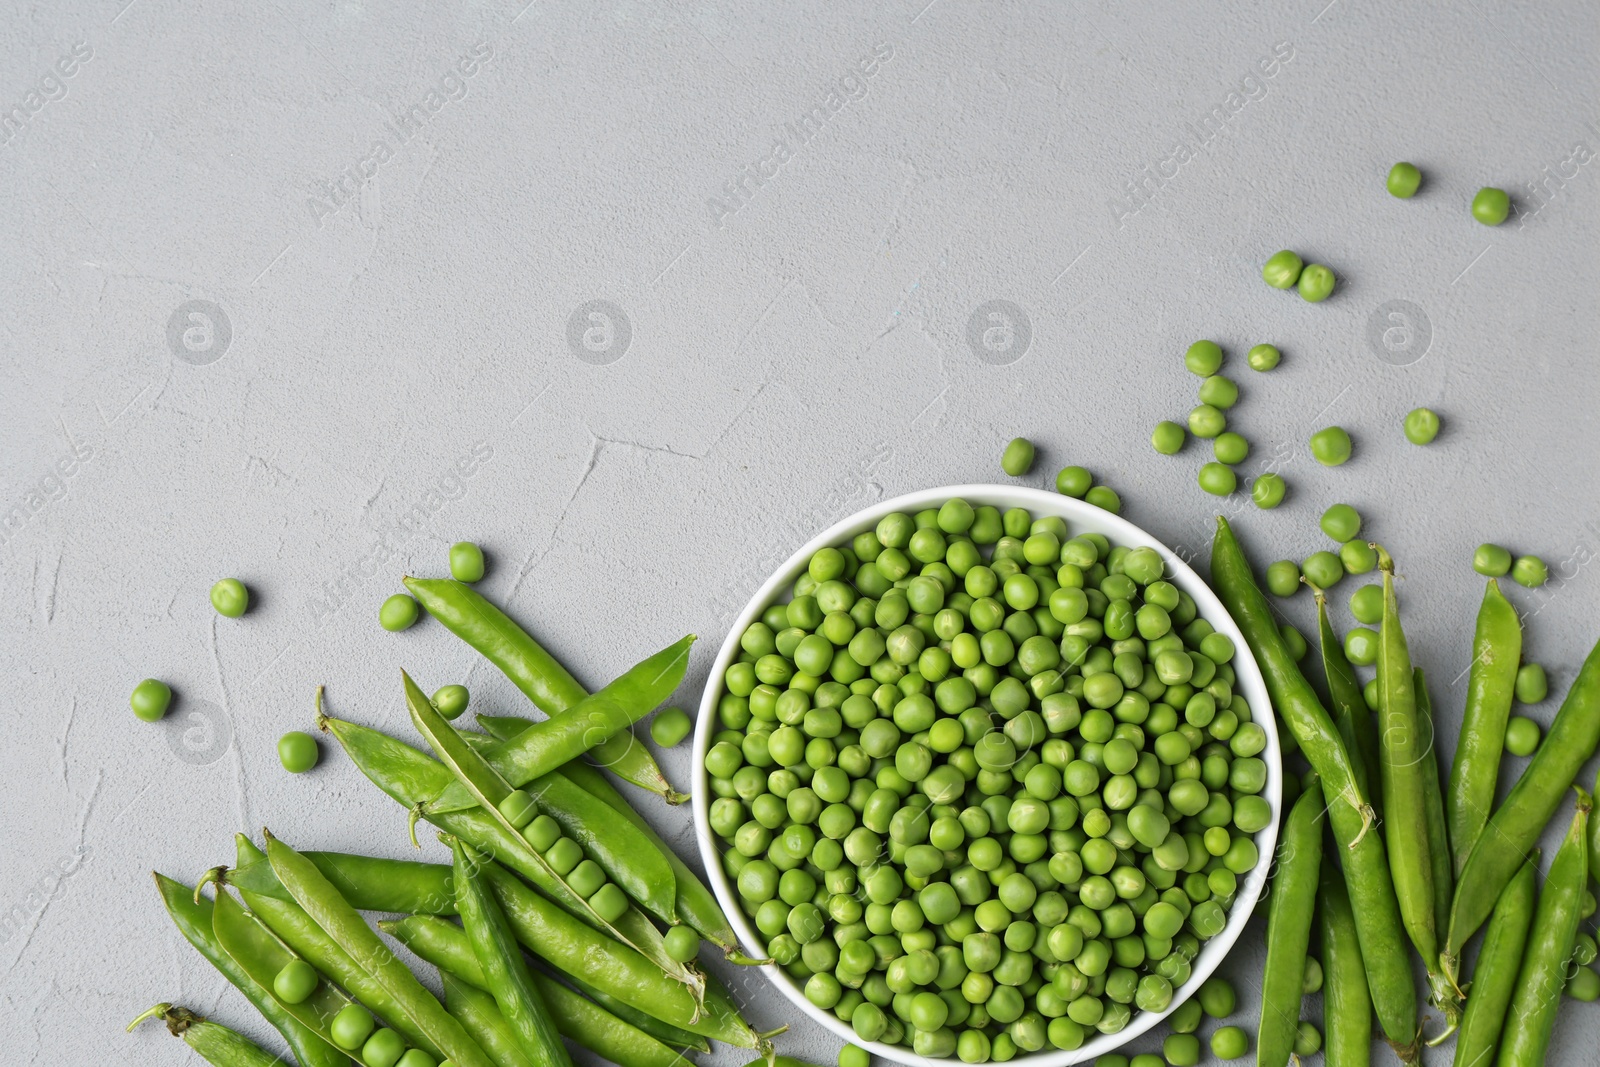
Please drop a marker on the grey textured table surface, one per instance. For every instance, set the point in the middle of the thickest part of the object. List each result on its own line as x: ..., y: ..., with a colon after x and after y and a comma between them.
x: 304, y: 293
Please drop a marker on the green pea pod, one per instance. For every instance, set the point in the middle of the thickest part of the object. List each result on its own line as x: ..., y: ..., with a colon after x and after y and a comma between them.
x: 1290, y: 909
x: 695, y: 904
x: 1514, y: 827
x: 1350, y: 711
x: 1532, y: 1015
x: 1346, y: 1003
x: 262, y: 956
x: 445, y: 945
x: 321, y: 901
x: 545, y: 746
x: 215, y: 1043
x: 1491, y: 680
x: 1433, y: 803
x: 501, y: 962
x: 1594, y: 838
x: 1494, y: 978
x: 367, y: 882
x: 194, y: 920
x: 297, y: 930
x: 1366, y: 867
x: 480, y: 1016
x: 466, y: 613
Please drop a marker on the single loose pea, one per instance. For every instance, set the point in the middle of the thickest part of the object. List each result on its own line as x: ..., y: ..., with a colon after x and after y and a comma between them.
x: 1369, y: 693
x: 1358, y: 557
x: 1263, y: 357
x: 1323, y: 569
x: 150, y: 699
x: 1168, y: 437
x: 1530, y: 571
x: 1366, y: 604
x: 1422, y: 426
x: 1282, y: 269
x: 1230, y: 1043
x: 295, y: 982
x: 1491, y: 560
x: 1218, y: 479
x: 1181, y: 1050
x: 1584, y: 985
x: 1230, y: 448
x: 298, y: 752
x: 1283, y: 577
x: 1217, y: 998
x: 1219, y: 391
x: 1307, y: 1039
x: 1532, y: 686
x: 1268, y: 490
x: 1490, y: 206
x: 1403, y: 180
x: 670, y: 726
x: 681, y: 943
x: 1522, y: 736
x: 1316, y: 283
x: 230, y: 597
x: 1330, y: 446
x: 451, y: 700
x: 1206, y: 421
x: 399, y: 612
x: 1073, y: 481
x: 1294, y: 641
x: 1341, y: 522
x: 1312, y: 982
x: 466, y: 562
x: 1105, y: 498
x: 1203, y: 358
x: 854, y: 1056
x: 1017, y: 459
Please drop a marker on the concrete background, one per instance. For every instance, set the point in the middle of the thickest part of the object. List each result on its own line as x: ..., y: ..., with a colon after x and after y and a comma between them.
x: 258, y: 324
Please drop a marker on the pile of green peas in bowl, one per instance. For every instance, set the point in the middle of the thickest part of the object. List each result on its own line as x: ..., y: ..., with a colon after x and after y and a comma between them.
x: 988, y: 774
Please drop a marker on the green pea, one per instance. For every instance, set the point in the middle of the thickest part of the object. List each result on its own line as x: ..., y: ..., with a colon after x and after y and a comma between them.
x: 1072, y: 481
x: 298, y: 752
x: 1283, y: 577
x: 1421, y: 426
x: 466, y: 562
x: 230, y: 598
x: 1403, y: 180
x: 1230, y: 448
x: 383, y: 1049
x: 150, y: 700
x: 295, y: 982
x: 1532, y: 686
x: 1358, y: 557
x: 1491, y: 560
x: 670, y: 726
x: 1105, y: 498
x: 1584, y: 985
x: 1219, y: 391
x: 1369, y: 694
x: 399, y: 612
x: 1530, y: 571
x: 1185, y: 1018
x: 1181, y: 1050
x: 1312, y: 981
x: 1217, y: 998
x: 1230, y: 1043
x: 1282, y: 270
x: 1490, y: 206
x: 1168, y: 437
x: 1263, y: 357
x: 1204, y: 358
x: 1316, y: 283
x: 1217, y: 479
x: 1323, y: 569
x: 854, y: 1056
x: 1018, y: 457
x: 1330, y: 446
x: 1361, y: 646
x: 350, y: 1027
x: 1522, y: 736
x: 451, y: 700
x: 1341, y: 522
x: 1307, y: 1039
x: 1206, y: 421
x: 682, y: 943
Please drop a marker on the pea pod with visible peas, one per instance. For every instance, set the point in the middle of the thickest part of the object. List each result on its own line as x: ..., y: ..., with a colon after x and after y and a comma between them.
x: 1365, y: 865
x: 1346, y: 1003
x: 1290, y: 909
x: 1532, y: 1015
x: 1494, y: 978
x: 1517, y: 823
x: 193, y: 917
x: 465, y: 613
x: 215, y: 1043
x: 1491, y: 680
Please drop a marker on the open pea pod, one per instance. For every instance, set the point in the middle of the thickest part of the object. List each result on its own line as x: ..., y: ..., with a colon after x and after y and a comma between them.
x: 616, y: 845
x: 261, y: 955
x: 341, y: 922
x: 545, y: 746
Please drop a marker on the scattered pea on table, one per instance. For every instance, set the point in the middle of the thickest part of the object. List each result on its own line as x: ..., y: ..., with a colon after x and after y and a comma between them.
x: 399, y: 612
x: 1358, y: 557
x: 1316, y: 283
x: 1168, y: 437
x: 451, y: 700
x: 230, y: 597
x: 1230, y: 1043
x: 1341, y: 522
x: 298, y: 752
x: 1403, y: 180
x: 670, y: 726
x: 1017, y: 459
x: 1181, y: 1050
x: 1522, y: 736
x: 1282, y: 269
x: 1323, y: 569
x: 466, y: 562
x: 1330, y: 446
x: 1219, y: 391
x: 1268, y: 490
x: 1230, y: 448
x: 1532, y: 686
x: 854, y: 1056
x: 1283, y: 577
x: 1105, y: 498
x: 1263, y: 357
x: 1530, y: 571
x: 1421, y: 426
x: 1204, y: 358
x: 1490, y: 206
x: 1218, y: 479
x: 1294, y: 641
x: 1313, y: 979
x: 1366, y: 604
x: 1307, y: 1039
x: 1491, y: 560
x: 150, y: 699
x: 1207, y: 421
x: 1073, y: 481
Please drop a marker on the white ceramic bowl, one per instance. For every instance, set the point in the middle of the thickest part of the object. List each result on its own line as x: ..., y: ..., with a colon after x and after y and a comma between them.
x: 1080, y: 518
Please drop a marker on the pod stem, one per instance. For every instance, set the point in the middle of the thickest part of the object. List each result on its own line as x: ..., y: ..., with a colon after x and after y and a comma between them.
x: 1409, y: 1053
x: 322, y: 719
x: 1446, y: 996
x: 215, y: 874
x: 733, y: 954
x: 159, y: 1011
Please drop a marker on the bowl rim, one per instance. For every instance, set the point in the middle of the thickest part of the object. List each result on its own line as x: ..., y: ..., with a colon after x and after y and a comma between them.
x: 1081, y: 517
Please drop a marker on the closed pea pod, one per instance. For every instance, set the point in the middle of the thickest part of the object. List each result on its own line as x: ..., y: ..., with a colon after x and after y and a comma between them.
x: 1346, y: 1003
x: 1494, y: 978
x: 1350, y: 711
x: 1291, y: 906
x: 1532, y: 1015
x: 1433, y: 807
x: 1496, y: 651
x: 215, y: 1043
